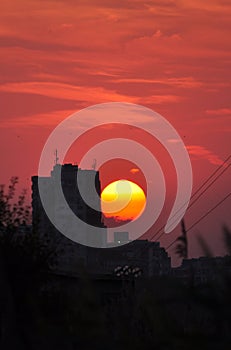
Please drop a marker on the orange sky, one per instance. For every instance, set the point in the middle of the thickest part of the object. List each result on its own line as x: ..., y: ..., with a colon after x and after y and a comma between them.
x: 170, y: 55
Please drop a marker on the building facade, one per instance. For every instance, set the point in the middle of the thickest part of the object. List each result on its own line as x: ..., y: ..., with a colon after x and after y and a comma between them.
x: 147, y: 256
x: 70, y: 254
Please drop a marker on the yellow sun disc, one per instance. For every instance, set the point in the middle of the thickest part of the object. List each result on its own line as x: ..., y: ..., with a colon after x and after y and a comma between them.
x: 126, y: 195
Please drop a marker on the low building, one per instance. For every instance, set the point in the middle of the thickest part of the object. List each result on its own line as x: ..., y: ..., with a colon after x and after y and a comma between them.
x: 203, y: 270
x: 148, y: 256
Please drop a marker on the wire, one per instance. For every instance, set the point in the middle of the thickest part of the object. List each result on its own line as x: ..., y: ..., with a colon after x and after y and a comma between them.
x: 197, y: 198
x: 202, y: 217
x: 196, y: 192
x: 201, y: 194
x: 214, y: 173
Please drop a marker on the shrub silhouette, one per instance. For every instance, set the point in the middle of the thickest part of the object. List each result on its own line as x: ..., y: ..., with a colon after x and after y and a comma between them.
x: 41, y: 309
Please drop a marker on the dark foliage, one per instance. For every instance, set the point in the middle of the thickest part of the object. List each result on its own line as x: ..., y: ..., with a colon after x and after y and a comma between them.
x: 43, y: 310
x: 182, y: 246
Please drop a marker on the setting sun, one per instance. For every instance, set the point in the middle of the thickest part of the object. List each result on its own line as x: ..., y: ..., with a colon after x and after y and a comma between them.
x: 123, y: 199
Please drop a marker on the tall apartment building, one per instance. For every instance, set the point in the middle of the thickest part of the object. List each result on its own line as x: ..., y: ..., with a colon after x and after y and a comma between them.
x: 73, y: 253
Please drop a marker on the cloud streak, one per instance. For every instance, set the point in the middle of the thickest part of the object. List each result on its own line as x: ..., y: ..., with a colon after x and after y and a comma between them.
x: 219, y: 112
x: 200, y: 152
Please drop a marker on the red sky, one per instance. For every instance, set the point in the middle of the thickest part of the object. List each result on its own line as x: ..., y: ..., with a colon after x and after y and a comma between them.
x: 170, y: 55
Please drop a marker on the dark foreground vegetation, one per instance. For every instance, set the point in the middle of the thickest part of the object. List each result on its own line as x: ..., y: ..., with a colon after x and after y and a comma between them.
x: 43, y: 310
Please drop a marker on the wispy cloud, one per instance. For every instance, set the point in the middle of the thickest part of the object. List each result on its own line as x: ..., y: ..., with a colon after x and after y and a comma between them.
x: 181, y: 82
x: 66, y: 91
x: 201, y: 152
x: 134, y: 170
x: 161, y: 99
x: 219, y: 112
x: 37, y: 120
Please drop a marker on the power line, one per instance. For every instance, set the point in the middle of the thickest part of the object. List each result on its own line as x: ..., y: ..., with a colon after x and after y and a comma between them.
x: 202, y: 217
x: 197, y: 191
x: 201, y: 194
x: 214, y: 173
x: 206, y: 181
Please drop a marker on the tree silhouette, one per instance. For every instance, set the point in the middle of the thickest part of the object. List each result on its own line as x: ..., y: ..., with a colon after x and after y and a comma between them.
x: 21, y: 247
x: 227, y: 238
x: 13, y: 213
x: 24, y: 266
x: 182, y: 246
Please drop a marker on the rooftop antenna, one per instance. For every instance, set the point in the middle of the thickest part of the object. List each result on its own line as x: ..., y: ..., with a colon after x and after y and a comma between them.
x: 56, y: 157
x: 94, y: 164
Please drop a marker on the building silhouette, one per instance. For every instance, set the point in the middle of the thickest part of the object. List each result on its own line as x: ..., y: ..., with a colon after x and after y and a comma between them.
x: 73, y: 257
x: 71, y: 253
x: 199, y: 271
x: 148, y: 256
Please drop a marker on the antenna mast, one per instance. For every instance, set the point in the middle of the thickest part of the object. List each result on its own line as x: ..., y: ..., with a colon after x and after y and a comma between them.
x: 94, y: 164
x: 56, y: 157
